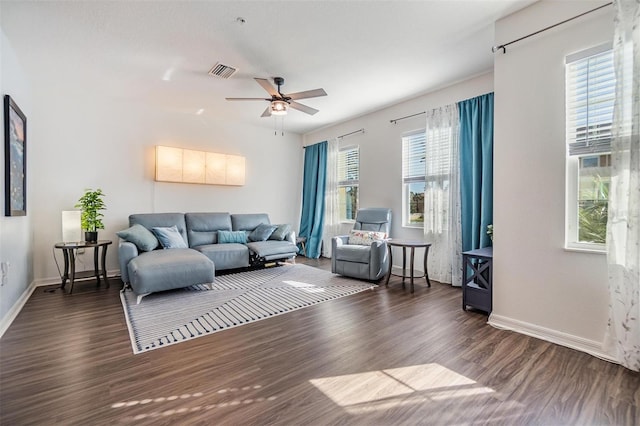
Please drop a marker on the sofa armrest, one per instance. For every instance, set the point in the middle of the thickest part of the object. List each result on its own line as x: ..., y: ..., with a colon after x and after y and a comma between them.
x: 336, y: 242
x: 379, y: 260
x: 126, y: 252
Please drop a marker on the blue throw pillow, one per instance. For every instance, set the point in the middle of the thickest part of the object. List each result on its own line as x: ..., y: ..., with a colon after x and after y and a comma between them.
x: 262, y: 232
x: 226, y: 237
x: 281, y: 232
x: 140, y: 236
x: 170, y: 238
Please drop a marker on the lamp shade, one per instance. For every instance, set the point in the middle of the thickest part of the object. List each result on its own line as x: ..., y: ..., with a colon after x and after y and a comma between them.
x: 71, y: 226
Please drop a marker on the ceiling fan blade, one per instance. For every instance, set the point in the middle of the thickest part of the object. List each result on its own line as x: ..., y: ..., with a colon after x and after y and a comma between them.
x: 247, y: 99
x: 267, y: 112
x: 303, y: 108
x: 307, y: 94
x: 266, y: 85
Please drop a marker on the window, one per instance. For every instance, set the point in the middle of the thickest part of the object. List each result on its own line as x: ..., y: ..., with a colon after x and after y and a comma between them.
x: 413, y: 179
x: 590, y: 85
x: 348, y: 178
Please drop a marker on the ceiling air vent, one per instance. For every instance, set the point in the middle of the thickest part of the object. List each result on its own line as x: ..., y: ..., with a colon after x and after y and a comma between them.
x: 222, y: 70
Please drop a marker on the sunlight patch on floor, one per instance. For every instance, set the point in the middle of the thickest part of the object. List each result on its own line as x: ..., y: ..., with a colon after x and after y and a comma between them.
x: 309, y: 288
x: 163, y: 406
x: 384, y: 389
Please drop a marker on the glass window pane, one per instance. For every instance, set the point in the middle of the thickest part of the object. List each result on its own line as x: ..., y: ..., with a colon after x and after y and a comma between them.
x: 593, y: 195
x: 348, y: 202
x: 415, y: 203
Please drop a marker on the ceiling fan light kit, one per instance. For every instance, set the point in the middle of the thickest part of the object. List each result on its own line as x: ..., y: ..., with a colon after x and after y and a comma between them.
x: 279, y: 102
x: 279, y: 108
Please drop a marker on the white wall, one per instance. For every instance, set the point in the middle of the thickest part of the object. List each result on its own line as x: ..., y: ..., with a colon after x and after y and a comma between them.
x: 381, y: 147
x: 540, y: 288
x: 89, y: 143
x: 16, y: 236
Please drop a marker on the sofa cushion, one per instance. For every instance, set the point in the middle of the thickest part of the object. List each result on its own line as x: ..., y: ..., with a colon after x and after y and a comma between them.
x: 226, y: 256
x: 248, y: 222
x: 353, y: 253
x: 262, y: 232
x: 140, y: 236
x: 226, y: 237
x: 202, y: 228
x: 169, y: 237
x: 281, y: 232
x: 160, y: 270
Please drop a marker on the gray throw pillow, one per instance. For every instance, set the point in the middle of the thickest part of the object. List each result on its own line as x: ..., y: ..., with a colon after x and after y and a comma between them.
x: 140, y: 236
x: 262, y: 232
x: 281, y: 232
x: 170, y: 238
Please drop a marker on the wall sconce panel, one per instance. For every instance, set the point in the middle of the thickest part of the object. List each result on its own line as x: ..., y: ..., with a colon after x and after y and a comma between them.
x: 168, y: 164
x: 193, y: 166
x: 216, y: 169
x: 235, y: 170
x: 189, y: 166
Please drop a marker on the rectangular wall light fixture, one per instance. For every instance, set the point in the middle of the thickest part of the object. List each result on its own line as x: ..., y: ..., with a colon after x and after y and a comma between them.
x: 189, y: 166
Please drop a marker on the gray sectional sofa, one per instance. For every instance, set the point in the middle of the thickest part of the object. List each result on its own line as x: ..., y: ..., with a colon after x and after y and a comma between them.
x: 165, y: 269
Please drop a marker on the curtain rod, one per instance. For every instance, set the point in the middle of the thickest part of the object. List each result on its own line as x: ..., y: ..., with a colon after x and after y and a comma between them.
x: 395, y: 120
x: 494, y: 49
x: 352, y: 133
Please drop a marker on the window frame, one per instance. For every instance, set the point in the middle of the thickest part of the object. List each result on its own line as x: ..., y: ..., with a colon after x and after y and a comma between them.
x: 348, y: 182
x: 573, y: 160
x: 408, y: 180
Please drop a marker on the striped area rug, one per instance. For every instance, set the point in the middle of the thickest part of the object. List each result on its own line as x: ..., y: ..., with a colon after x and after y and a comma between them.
x: 175, y: 316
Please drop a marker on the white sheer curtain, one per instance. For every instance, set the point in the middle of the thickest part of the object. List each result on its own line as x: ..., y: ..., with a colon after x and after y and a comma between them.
x: 623, y: 227
x: 331, y: 211
x: 442, y: 196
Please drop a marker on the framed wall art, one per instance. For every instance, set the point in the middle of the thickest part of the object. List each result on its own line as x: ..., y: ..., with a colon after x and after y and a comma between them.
x: 15, y: 159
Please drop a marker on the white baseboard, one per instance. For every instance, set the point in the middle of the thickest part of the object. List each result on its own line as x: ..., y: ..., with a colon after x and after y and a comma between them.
x: 563, y: 339
x: 16, y: 308
x: 41, y: 282
x: 8, y: 319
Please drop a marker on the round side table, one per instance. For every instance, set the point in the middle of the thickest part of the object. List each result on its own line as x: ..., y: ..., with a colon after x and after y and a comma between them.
x: 412, y: 245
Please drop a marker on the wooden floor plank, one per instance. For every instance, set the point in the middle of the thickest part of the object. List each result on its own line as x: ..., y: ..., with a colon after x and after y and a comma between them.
x: 374, y: 358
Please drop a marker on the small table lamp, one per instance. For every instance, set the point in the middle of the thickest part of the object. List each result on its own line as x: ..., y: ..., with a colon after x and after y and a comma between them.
x: 71, y: 227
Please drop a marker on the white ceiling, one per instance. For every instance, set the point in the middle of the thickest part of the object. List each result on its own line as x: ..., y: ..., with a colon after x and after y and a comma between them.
x: 365, y: 54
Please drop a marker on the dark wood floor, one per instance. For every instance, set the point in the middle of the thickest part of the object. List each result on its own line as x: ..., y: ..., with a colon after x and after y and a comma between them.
x: 375, y: 358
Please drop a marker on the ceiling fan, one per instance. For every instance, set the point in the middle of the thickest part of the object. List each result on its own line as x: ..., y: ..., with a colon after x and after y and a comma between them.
x: 280, y: 102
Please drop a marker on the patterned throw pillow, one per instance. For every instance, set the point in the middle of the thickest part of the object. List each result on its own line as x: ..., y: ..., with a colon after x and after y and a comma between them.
x: 365, y: 238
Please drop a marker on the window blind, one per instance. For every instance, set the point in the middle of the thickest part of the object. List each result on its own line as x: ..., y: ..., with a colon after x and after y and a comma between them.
x: 590, y: 97
x: 413, y: 158
x: 438, y: 151
x: 349, y: 166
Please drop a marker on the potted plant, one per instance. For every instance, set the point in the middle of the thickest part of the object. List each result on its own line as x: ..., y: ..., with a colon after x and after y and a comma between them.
x: 91, y: 204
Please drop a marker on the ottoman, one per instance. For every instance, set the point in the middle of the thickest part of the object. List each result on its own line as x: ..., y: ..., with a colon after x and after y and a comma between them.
x: 160, y: 270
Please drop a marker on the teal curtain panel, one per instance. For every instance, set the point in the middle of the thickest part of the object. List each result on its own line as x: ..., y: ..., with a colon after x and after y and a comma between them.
x: 313, y: 188
x: 476, y: 170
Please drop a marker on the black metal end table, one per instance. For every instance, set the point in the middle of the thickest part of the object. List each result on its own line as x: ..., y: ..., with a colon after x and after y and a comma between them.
x: 70, y: 251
